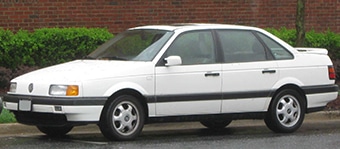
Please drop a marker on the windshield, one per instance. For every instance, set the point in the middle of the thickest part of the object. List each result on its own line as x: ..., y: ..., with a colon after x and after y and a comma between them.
x: 134, y: 45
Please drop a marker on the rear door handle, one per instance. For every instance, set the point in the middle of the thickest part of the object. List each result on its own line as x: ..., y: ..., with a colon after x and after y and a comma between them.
x: 208, y: 74
x: 268, y: 71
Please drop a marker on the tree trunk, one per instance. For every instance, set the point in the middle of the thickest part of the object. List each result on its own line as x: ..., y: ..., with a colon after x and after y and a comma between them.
x: 300, y: 23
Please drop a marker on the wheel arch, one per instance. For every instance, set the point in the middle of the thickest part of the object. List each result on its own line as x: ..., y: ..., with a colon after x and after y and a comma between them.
x: 292, y: 87
x: 128, y: 91
x: 289, y: 120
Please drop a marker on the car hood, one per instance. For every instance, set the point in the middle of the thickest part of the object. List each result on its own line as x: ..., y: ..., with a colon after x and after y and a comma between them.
x: 80, y: 70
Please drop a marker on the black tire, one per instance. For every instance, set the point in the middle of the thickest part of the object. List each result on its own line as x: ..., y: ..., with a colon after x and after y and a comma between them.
x: 216, y: 124
x: 54, y: 131
x: 286, y: 112
x: 122, y: 119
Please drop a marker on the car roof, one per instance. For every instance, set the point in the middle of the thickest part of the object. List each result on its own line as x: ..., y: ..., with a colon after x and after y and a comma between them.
x: 182, y: 27
x: 194, y: 26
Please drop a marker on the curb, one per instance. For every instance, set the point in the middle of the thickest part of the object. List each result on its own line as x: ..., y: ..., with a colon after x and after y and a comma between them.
x: 16, y: 129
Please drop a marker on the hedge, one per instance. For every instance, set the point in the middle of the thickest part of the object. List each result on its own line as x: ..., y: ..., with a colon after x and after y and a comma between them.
x: 25, y: 51
x: 48, y: 46
x: 328, y: 40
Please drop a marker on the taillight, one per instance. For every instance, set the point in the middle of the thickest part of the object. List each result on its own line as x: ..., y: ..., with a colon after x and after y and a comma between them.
x: 331, y: 73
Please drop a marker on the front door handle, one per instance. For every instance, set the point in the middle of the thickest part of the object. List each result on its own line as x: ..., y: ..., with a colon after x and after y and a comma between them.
x: 268, y: 71
x: 208, y: 74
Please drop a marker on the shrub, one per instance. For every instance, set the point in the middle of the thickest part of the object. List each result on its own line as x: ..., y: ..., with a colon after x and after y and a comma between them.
x: 287, y: 35
x: 5, y: 77
x: 57, y: 45
x: 15, y: 49
x: 23, y: 46
x: 328, y: 40
x: 48, y: 46
x: 24, y: 51
x: 6, y: 42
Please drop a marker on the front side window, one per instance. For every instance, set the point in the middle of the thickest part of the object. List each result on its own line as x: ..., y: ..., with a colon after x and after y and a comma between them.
x: 194, y: 48
x: 278, y: 51
x: 241, y: 46
x: 133, y: 45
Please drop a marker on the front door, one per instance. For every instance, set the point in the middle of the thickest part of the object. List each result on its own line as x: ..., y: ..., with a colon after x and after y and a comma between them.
x: 194, y: 87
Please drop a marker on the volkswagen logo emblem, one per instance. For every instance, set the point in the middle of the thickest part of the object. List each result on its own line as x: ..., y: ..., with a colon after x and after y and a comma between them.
x: 30, y: 87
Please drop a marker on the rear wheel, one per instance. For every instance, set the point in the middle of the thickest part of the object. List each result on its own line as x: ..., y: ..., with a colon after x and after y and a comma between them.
x: 286, y: 112
x: 55, y: 131
x: 216, y: 124
x: 122, y: 119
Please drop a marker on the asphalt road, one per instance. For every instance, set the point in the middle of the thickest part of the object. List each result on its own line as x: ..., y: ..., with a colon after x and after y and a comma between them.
x: 320, y: 130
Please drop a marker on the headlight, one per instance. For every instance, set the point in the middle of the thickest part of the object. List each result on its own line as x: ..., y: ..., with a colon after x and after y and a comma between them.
x: 64, y: 90
x: 13, y: 87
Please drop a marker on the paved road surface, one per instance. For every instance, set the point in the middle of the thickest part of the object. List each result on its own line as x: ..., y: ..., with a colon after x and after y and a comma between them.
x: 320, y: 130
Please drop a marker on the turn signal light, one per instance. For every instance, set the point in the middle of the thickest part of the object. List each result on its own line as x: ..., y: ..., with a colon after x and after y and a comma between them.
x: 72, y: 90
x: 331, y: 73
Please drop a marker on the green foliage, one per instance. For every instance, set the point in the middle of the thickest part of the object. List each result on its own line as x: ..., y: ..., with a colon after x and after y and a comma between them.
x: 328, y: 40
x: 22, y: 48
x: 57, y: 45
x: 7, y: 117
x: 48, y: 46
x: 6, y: 40
x: 287, y: 35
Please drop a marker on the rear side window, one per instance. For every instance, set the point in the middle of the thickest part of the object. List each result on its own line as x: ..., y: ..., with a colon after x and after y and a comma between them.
x: 241, y: 46
x: 278, y: 51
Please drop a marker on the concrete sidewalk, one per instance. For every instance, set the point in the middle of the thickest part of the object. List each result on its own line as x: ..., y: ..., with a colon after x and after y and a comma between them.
x: 15, y: 129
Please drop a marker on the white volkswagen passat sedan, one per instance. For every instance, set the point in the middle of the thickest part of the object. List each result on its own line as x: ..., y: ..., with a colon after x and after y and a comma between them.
x: 210, y: 73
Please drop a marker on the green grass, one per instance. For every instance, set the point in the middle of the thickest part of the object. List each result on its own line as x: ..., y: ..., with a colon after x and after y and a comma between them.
x: 7, y: 117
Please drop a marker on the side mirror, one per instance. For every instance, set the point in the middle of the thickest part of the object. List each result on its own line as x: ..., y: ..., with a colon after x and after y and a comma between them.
x: 173, y: 61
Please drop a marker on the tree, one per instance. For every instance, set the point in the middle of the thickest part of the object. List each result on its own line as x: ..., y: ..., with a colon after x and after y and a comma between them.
x: 300, y: 23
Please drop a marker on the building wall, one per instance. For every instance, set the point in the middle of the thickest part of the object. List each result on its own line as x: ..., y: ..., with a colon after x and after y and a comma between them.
x: 118, y: 15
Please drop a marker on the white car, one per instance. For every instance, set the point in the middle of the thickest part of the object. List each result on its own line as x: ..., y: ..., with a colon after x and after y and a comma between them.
x: 211, y: 73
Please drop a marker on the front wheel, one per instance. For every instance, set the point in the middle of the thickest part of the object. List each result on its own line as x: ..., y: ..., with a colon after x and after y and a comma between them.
x: 55, y: 131
x: 122, y: 119
x: 286, y: 112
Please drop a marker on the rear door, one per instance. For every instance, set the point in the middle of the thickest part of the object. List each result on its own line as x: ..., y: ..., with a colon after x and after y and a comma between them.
x: 194, y: 87
x: 249, y: 72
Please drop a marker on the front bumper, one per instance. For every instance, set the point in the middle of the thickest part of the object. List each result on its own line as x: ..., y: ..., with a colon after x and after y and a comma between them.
x: 37, y: 110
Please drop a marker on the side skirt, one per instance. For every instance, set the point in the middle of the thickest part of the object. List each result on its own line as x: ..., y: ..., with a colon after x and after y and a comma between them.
x: 190, y: 118
x: 310, y: 110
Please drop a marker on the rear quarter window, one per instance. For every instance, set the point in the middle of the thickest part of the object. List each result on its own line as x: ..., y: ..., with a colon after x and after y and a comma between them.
x: 278, y: 51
